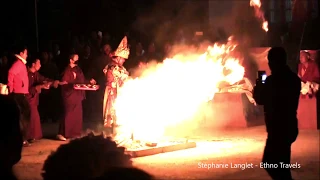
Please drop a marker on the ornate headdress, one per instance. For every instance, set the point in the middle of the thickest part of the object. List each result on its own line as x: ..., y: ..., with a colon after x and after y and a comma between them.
x: 123, y: 49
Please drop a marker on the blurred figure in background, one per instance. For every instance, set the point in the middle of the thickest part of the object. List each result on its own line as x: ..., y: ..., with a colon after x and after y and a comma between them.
x: 10, y: 137
x: 4, y: 68
x: 48, y: 111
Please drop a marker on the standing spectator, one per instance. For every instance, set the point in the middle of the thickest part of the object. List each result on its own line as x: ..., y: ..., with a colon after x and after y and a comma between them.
x: 36, y: 83
x: 71, y: 126
x: 18, y: 84
x: 280, y: 97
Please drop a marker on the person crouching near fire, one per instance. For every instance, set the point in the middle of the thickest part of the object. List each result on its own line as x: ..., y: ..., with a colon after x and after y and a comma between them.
x: 36, y: 83
x: 115, y: 74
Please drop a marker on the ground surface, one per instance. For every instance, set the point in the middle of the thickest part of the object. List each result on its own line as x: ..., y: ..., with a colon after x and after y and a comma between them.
x: 228, y: 147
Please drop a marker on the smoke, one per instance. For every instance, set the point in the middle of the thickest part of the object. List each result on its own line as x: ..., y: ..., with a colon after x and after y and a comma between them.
x: 214, y: 115
x: 226, y: 18
x: 166, y: 18
x: 217, y: 19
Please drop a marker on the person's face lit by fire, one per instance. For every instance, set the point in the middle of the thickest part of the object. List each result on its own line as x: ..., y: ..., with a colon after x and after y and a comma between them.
x: 119, y: 60
x: 106, y: 49
x: 74, y: 59
x: 36, y: 65
x: 304, y: 57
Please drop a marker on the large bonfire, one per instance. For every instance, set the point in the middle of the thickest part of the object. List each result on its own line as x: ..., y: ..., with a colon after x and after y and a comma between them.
x: 174, y: 91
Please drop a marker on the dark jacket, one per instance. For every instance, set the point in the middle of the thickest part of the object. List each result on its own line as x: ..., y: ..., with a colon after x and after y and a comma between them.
x: 280, y: 98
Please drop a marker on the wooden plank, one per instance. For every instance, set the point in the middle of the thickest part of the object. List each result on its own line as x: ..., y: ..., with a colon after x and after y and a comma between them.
x: 161, y: 149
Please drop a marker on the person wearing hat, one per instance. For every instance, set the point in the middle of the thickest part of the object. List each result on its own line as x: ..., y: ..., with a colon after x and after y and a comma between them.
x: 115, y: 74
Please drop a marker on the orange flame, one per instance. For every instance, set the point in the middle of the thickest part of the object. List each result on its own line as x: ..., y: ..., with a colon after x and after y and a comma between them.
x: 174, y: 91
x: 256, y: 4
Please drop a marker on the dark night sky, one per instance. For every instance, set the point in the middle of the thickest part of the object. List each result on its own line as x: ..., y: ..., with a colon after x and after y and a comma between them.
x: 57, y: 17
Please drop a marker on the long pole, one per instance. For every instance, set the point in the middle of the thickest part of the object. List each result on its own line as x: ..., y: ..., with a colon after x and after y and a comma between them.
x: 36, y: 21
x: 301, y: 40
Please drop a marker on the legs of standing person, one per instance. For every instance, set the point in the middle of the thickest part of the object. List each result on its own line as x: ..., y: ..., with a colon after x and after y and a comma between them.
x: 277, y: 152
x: 61, y: 132
x: 34, y: 130
x: 71, y: 126
x: 75, y: 120
x: 24, y: 108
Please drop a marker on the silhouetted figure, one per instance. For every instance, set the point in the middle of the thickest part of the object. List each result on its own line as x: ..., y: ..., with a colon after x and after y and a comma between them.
x: 10, y: 136
x: 280, y: 97
x: 125, y: 173
x: 85, y: 158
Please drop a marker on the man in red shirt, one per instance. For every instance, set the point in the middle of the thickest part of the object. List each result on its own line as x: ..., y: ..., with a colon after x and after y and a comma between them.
x: 18, y: 85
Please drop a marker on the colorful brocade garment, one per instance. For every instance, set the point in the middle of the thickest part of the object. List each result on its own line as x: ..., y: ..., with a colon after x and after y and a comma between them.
x: 115, y: 75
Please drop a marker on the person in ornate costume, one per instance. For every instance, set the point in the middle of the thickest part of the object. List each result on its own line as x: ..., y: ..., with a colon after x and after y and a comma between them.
x: 115, y: 74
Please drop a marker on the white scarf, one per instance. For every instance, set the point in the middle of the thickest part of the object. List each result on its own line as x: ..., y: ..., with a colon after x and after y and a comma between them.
x: 19, y: 57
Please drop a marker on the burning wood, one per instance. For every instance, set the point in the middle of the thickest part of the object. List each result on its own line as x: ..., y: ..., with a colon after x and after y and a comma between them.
x: 133, y: 144
x: 139, y: 148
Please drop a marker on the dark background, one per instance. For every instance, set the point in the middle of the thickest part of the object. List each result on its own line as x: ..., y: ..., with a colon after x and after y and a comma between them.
x: 145, y: 20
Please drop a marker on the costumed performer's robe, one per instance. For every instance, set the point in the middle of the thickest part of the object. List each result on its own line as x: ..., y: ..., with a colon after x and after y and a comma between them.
x: 116, y: 75
x: 34, y: 130
x: 311, y: 73
x: 71, y: 124
x: 308, y: 76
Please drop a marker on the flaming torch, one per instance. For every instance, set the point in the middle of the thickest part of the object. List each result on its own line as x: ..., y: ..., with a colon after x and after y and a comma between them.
x: 256, y: 4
